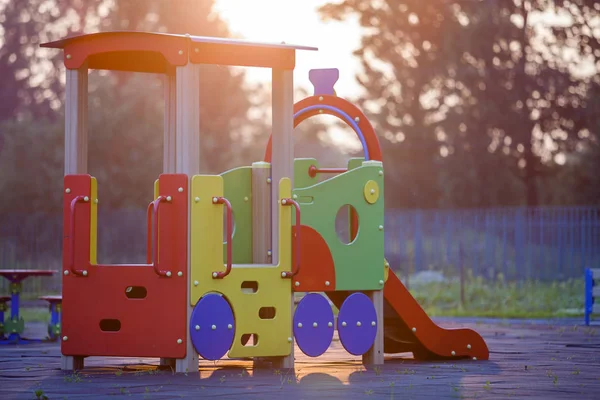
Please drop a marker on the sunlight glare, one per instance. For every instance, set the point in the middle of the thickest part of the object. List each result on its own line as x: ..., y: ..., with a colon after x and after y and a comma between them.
x: 297, y: 23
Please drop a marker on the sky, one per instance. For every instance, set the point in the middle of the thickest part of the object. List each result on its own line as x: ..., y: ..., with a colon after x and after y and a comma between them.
x: 297, y: 22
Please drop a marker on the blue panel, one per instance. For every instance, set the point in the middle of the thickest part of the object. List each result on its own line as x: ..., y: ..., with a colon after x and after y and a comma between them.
x: 589, y: 300
x: 313, y: 324
x: 14, y: 305
x: 357, y: 324
x: 212, y: 327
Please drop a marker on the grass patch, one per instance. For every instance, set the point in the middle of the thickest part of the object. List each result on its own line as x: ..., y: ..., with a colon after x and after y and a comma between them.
x: 483, y: 298
x: 35, y: 314
x: 501, y: 299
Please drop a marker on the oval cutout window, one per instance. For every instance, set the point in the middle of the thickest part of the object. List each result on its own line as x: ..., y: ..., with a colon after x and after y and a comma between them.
x: 249, y: 339
x: 136, y: 292
x: 266, y: 313
x: 249, y: 287
x: 110, y: 325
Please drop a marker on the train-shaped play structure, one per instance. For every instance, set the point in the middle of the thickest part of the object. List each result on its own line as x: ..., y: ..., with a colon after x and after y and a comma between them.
x: 212, y: 289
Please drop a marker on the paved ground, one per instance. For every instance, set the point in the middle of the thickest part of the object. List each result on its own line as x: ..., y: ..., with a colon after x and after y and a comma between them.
x: 545, y: 360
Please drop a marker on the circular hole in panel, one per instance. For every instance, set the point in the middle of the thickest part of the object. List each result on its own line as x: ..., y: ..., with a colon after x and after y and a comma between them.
x: 346, y: 224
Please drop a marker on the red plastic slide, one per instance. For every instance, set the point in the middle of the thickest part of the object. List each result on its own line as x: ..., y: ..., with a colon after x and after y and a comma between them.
x: 407, y: 328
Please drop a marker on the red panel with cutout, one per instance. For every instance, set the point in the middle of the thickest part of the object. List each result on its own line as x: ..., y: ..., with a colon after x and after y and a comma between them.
x: 126, y: 310
x: 317, y: 269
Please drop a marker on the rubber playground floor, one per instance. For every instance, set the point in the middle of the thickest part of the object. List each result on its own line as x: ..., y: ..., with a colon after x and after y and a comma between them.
x: 542, y: 360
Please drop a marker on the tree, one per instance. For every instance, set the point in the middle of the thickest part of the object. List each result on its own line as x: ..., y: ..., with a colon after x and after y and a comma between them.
x: 30, y: 77
x: 125, y: 110
x: 478, y: 86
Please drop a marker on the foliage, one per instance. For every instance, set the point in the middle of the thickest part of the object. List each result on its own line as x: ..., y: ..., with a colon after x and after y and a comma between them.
x: 475, y: 99
x: 31, y: 159
x: 126, y: 111
x: 30, y: 74
x: 501, y: 299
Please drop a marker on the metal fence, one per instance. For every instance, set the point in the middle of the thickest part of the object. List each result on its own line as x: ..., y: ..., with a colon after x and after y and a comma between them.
x: 545, y: 243
x: 519, y: 243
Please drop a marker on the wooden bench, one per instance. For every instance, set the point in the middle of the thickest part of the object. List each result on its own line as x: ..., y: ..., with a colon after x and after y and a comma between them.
x: 592, y: 291
x: 55, y: 306
x: 3, y: 308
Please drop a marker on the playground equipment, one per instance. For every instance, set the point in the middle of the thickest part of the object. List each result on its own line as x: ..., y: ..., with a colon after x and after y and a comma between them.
x: 592, y: 292
x: 198, y: 295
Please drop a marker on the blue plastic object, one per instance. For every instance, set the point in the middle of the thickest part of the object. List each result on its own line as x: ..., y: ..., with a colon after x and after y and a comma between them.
x: 323, y: 80
x: 345, y: 117
x: 313, y: 324
x: 2, y: 309
x: 589, y: 298
x: 357, y: 324
x: 212, y: 327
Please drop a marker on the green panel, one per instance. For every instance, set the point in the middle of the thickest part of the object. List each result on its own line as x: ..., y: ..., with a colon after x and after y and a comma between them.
x: 301, y: 177
x: 358, y: 265
x: 238, y: 190
x: 14, y: 326
x: 355, y: 162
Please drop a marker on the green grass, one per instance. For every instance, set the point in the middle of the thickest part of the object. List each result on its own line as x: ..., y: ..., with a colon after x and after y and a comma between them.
x: 497, y: 299
x: 35, y: 314
x: 502, y: 299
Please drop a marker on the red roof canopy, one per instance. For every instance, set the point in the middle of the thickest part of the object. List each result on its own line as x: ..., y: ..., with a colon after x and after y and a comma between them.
x: 160, y: 52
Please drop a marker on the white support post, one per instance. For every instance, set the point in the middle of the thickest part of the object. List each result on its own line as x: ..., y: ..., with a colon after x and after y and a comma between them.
x: 375, y: 354
x: 76, y: 113
x: 187, y: 161
x: 282, y: 158
x: 76, y: 149
x: 282, y: 163
x: 170, y: 123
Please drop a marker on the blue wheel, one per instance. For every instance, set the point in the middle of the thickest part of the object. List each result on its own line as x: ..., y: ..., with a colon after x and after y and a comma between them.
x: 212, y: 327
x: 313, y: 324
x: 357, y: 324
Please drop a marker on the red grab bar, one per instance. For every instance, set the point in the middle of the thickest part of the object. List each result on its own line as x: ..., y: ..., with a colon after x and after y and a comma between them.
x: 296, y: 269
x: 77, y: 199
x: 223, y: 274
x: 153, y: 209
x: 156, y: 206
x: 313, y: 171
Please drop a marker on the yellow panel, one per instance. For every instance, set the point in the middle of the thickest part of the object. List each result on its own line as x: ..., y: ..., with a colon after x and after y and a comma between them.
x: 386, y: 269
x: 156, y: 188
x: 273, y: 291
x: 94, y: 221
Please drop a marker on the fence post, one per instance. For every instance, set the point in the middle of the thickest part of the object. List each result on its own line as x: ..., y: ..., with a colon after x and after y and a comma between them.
x: 462, y: 274
x: 589, y: 300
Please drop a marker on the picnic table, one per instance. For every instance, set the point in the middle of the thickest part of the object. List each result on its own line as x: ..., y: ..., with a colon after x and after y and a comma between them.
x: 16, y: 324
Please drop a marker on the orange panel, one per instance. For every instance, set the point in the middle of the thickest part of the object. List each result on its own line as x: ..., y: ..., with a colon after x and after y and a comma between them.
x: 316, y: 262
x: 125, y: 51
x: 344, y: 105
x: 241, y: 55
x: 437, y: 340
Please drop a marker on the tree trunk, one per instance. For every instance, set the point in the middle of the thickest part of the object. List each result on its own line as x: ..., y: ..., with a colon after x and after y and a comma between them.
x: 530, y: 173
x: 529, y: 177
